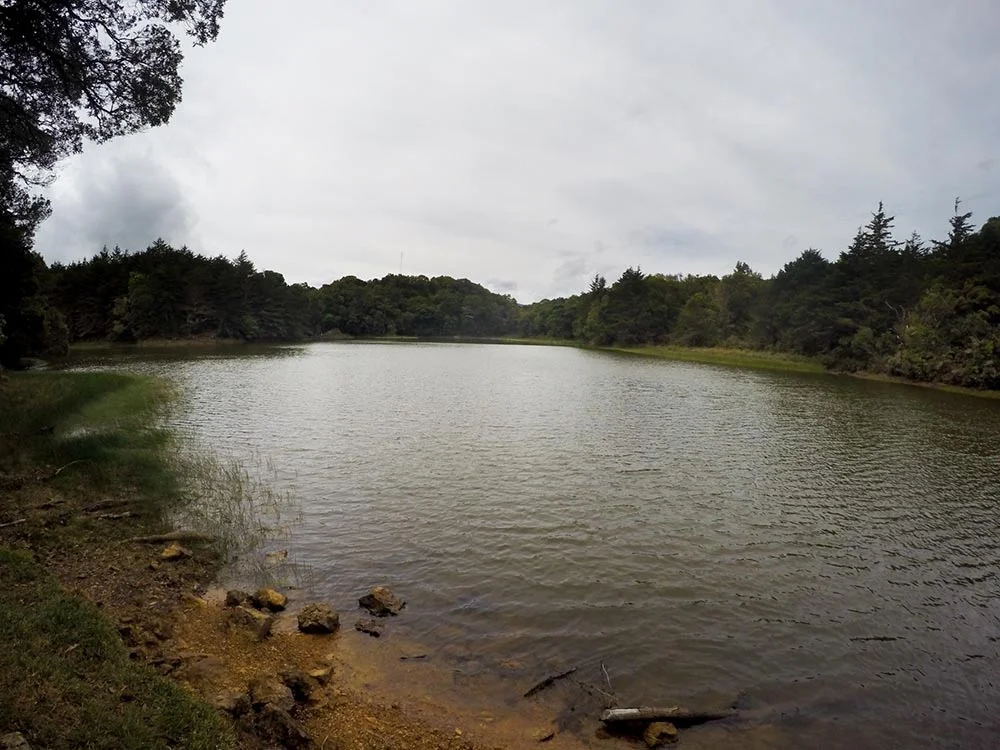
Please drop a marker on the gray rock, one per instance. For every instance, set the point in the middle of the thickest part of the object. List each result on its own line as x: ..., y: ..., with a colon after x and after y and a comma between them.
x: 270, y: 690
x: 14, y: 741
x: 660, y: 734
x: 381, y: 602
x: 318, y: 618
x: 232, y: 702
x: 276, y: 725
x: 270, y: 599
x: 301, y: 684
x: 236, y: 598
x: 244, y: 618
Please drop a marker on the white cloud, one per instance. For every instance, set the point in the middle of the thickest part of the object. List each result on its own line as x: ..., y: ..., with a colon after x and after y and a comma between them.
x: 507, y: 142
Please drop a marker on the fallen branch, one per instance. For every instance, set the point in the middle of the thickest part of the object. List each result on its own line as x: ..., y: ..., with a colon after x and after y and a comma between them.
x: 174, y: 536
x: 548, y: 682
x: 673, y: 714
x: 114, y: 516
x: 107, y: 505
x: 13, y: 523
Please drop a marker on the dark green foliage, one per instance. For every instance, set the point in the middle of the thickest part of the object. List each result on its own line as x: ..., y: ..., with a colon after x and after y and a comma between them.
x: 414, y: 306
x: 164, y: 293
x: 883, y: 306
x: 72, y: 71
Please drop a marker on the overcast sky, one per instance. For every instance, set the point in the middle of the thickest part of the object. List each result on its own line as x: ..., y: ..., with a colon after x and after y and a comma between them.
x: 528, y: 145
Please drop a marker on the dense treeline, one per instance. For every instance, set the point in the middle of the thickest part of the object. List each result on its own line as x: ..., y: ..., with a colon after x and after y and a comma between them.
x: 924, y: 312
x: 928, y: 313
x: 168, y: 293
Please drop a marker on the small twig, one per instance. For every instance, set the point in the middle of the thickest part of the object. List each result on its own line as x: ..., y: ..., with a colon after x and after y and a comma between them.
x: 607, y: 678
x: 548, y: 681
x: 114, y: 516
x: 13, y: 523
x: 107, y: 504
x: 66, y: 466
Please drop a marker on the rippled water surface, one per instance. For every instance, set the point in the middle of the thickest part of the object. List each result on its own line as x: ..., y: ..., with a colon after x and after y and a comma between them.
x: 826, y: 547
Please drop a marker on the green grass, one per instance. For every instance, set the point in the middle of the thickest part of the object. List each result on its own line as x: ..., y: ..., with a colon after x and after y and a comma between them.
x: 101, y: 431
x: 66, y: 680
x: 732, y: 357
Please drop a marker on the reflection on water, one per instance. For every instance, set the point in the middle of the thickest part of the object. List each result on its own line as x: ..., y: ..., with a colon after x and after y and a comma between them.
x: 826, y: 547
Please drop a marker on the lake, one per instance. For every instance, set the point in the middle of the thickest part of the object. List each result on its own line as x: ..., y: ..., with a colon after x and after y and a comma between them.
x: 825, y: 548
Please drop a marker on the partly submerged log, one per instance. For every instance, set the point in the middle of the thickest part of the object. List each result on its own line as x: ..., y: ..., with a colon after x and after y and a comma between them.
x: 174, y: 536
x: 671, y: 713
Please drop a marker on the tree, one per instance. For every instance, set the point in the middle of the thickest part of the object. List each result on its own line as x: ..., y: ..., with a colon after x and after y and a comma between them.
x: 72, y: 70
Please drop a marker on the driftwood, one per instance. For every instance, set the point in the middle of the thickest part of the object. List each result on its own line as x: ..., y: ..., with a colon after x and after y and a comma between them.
x: 13, y: 523
x: 548, y: 681
x: 174, y: 536
x: 114, y: 516
x: 107, y: 505
x: 672, y: 713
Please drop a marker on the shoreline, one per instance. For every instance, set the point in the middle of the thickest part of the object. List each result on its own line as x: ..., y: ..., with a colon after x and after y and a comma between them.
x: 726, y: 357
x: 166, y: 629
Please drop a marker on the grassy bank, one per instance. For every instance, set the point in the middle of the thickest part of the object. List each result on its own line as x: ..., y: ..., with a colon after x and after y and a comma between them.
x: 733, y: 357
x: 83, y: 466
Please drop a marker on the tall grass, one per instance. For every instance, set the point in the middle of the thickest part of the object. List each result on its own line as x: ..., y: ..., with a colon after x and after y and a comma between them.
x: 106, y: 433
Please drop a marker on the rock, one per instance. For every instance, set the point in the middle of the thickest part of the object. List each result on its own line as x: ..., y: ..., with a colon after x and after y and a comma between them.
x: 256, y: 622
x: 276, y: 725
x: 544, y: 734
x: 322, y: 675
x: 301, y: 684
x: 175, y: 551
x: 659, y: 734
x: 371, y: 626
x: 318, y: 618
x: 236, y: 597
x: 14, y: 741
x: 232, y: 702
x: 381, y: 602
x: 270, y: 599
x: 269, y: 690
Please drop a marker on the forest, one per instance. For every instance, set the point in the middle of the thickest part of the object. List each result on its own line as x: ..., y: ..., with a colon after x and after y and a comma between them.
x: 921, y: 311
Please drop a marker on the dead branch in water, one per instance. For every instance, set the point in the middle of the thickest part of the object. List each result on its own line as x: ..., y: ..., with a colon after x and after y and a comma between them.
x: 673, y: 713
x: 13, y: 523
x: 548, y: 682
x: 174, y: 536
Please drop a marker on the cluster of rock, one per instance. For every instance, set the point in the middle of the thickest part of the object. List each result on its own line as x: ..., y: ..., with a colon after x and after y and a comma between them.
x: 256, y: 612
x: 267, y: 708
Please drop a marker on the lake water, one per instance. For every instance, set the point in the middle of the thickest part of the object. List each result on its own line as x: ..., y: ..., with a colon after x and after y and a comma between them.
x: 825, y: 548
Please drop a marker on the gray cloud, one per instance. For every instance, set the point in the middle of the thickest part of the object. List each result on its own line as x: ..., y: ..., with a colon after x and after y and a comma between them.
x: 128, y: 200
x: 683, y: 136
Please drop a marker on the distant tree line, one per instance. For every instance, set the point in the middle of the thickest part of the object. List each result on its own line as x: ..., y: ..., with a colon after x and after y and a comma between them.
x: 906, y: 308
x: 927, y: 313
x: 168, y: 293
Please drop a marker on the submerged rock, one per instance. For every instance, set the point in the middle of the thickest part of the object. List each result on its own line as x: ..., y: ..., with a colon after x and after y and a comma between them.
x: 369, y: 625
x: 175, y: 551
x: 660, y: 734
x: 318, y: 618
x: 270, y: 599
x: 269, y: 690
x: 236, y: 597
x: 381, y: 602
